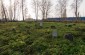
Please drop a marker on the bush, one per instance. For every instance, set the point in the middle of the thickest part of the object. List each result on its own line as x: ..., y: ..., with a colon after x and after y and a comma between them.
x: 50, y: 52
x: 80, y: 29
x: 53, y: 27
x: 77, y: 29
x: 68, y: 25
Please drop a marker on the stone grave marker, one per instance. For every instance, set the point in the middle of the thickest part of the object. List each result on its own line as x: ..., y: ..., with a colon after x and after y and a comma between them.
x: 54, y: 33
x: 69, y: 36
x: 41, y: 23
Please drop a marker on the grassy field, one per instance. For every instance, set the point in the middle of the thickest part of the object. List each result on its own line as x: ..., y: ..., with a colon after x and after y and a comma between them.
x: 23, y: 38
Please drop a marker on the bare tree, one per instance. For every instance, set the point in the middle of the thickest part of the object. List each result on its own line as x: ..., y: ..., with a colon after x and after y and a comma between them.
x: 15, y: 3
x: 23, y: 9
x: 75, y: 5
x: 17, y: 9
x: 11, y: 11
x: 35, y: 4
x: 25, y: 12
x: 45, y: 6
x: 15, y: 6
x: 3, y: 11
x: 61, y: 8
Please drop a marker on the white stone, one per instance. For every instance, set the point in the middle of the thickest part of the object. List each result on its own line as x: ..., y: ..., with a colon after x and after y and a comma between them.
x: 41, y: 24
x: 54, y: 33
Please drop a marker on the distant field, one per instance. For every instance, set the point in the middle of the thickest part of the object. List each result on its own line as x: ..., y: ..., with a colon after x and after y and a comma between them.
x: 23, y: 38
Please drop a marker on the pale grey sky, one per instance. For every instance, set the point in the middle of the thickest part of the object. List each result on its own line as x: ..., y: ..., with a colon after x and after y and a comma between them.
x: 69, y: 10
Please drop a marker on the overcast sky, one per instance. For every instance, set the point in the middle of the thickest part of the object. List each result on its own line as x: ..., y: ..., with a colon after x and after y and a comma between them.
x: 69, y: 10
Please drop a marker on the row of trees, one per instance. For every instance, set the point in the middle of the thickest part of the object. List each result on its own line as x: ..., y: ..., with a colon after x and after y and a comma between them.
x: 9, y: 13
x: 61, y: 7
x: 42, y: 7
x: 3, y: 11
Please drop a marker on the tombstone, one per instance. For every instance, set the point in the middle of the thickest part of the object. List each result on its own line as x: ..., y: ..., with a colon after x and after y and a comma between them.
x: 69, y: 36
x: 54, y: 33
x: 41, y: 23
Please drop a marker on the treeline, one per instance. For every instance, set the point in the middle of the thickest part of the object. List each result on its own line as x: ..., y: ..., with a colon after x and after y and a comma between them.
x: 41, y: 8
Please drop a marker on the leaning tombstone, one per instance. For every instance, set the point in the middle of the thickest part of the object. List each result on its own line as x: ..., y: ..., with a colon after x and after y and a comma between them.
x: 69, y: 36
x: 54, y: 33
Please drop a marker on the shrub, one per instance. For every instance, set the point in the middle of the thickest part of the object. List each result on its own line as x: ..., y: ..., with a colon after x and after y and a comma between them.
x: 74, y: 24
x: 68, y: 25
x: 53, y: 27
x: 77, y: 29
x: 83, y: 29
